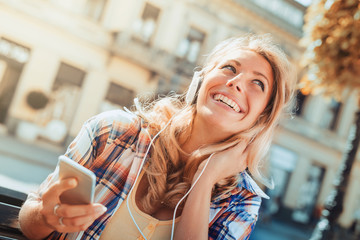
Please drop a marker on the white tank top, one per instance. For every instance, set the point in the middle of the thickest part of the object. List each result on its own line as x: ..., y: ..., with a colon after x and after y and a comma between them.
x: 121, y: 226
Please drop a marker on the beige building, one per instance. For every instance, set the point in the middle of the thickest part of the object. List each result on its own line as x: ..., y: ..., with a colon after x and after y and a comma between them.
x: 89, y: 56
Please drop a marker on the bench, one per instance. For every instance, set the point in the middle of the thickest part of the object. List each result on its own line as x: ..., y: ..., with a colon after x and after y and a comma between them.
x: 10, y: 203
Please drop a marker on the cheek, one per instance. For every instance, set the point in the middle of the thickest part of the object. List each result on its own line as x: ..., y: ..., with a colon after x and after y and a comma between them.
x: 203, y: 91
x: 256, y: 99
x: 258, y: 108
x: 200, y: 98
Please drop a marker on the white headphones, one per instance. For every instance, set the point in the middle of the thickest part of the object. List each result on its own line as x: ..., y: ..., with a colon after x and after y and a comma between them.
x: 193, y: 88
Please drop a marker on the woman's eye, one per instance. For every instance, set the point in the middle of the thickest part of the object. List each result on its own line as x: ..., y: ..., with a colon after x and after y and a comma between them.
x: 260, y: 83
x: 230, y: 67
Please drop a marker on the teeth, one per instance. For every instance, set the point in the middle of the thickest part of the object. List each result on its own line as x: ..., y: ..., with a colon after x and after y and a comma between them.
x: 227, y: 101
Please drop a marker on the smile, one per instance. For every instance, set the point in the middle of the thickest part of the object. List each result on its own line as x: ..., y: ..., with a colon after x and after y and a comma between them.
x: 223, y: 99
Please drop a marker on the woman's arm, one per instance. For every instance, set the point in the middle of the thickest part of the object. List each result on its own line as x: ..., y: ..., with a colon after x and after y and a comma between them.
x: 194, y: 223
x: 30, y: 216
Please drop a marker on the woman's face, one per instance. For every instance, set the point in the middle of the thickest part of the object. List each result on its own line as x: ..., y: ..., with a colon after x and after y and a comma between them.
x: 235, y: 92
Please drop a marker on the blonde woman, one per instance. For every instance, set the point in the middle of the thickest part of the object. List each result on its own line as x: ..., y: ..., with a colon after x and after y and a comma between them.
x: 211, y: 143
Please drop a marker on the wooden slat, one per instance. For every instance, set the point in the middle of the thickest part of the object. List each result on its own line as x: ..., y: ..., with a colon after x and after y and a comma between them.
x: 12, y: 197
x: 9, y: 223
x: 9, y: 215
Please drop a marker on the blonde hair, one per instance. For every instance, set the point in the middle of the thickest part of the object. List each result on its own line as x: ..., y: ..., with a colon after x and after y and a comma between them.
x: 169, y: 178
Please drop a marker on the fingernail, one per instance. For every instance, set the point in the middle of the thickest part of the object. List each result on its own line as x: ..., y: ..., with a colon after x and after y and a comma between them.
x: 73, y: 182
x: 101, y: 209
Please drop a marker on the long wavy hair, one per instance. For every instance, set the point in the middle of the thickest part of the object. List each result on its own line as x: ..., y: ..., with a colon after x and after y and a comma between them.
x: 168, y: 175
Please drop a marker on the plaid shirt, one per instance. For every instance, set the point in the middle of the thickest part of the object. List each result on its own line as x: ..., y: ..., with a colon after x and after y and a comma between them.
x: 103, y: 146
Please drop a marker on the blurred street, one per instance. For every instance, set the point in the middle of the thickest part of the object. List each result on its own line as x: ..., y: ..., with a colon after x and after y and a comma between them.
x: 25, y: 165
x: 280, y: 230
x: 98, y: 55
x: 285, y: 230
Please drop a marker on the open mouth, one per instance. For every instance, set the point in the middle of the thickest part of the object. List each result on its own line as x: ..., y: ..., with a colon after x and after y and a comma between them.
x: 227, y: 101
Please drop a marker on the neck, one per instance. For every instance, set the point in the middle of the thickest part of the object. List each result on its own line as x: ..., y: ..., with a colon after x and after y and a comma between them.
x: 201, y: 134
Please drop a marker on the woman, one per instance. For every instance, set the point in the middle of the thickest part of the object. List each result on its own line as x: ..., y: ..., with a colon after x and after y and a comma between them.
x: 205, y: 143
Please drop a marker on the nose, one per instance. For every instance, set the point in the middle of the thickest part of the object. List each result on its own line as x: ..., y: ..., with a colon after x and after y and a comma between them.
x: 234, y: 82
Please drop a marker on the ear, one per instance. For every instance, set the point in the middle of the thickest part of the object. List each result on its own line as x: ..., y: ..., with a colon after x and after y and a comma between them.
x: 193, y: 88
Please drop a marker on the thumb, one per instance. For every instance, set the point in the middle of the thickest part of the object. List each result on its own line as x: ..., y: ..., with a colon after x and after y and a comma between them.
x: 56, y: 189
x: 66, y: 184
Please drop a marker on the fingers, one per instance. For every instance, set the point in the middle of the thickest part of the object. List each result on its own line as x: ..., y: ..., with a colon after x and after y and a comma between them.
x: 240, y: 156
x: 73, y: 218
x: 84, y: 219
x: 59, y: 187
x: 68, y: 211
x: 78, y: 217
x: 243, y: 161
x: 229, y: 162
x: 64, y: 217
x: 50, y: 197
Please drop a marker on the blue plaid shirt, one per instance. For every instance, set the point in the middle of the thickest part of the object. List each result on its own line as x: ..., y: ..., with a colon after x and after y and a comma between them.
x: 101, y: 147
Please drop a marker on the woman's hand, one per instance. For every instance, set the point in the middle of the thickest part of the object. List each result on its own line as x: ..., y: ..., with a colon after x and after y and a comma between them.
x: 195, y: 224
x: 64, y: 217
x: 225, y: 164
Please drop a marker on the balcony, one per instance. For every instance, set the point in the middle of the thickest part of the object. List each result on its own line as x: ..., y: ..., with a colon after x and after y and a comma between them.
x: 150, y: 57
x: 287, y: 14
x: 308, y: 130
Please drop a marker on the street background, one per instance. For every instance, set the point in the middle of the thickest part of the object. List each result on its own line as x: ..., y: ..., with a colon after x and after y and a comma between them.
x: 62, y: 62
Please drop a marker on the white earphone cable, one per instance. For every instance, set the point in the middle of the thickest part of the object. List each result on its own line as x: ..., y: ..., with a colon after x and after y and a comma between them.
x: 186, y: 194
x: 138, y: 173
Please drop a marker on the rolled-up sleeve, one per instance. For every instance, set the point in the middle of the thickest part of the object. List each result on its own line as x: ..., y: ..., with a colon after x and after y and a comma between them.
x: 238, y: 220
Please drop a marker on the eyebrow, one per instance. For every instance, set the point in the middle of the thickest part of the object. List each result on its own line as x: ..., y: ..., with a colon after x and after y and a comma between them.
x: 255, y: 72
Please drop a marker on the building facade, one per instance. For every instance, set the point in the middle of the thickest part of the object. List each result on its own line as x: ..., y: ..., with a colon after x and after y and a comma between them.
x: 62, y: 62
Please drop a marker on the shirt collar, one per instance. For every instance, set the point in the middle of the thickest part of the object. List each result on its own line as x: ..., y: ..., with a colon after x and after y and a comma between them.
x: 246, y: 181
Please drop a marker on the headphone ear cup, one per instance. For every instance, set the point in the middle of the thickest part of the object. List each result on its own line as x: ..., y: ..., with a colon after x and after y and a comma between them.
x: 193, y: 88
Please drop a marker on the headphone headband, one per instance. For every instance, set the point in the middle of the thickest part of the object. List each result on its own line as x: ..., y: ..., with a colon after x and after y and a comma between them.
x: 193, y: 88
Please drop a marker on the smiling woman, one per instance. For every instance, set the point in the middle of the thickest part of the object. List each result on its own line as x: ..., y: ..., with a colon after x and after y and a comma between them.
x: 233, y: 94
x: 192, y: 160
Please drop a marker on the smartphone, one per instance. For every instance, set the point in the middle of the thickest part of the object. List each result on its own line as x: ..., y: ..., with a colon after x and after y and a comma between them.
x: 83, y: 193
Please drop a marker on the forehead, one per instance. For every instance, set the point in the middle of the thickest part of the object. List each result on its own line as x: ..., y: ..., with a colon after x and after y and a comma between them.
x: 241, y: 54
x: 249, y: 58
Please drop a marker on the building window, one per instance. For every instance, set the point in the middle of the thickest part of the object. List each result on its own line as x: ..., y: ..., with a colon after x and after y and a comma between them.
x: 14, y: 51
x: 94, y: 9
x: 300, y: 102
x: 68, y: 75
x: 9, y: 78
x: 117, y: 97
x: 282, y: 164
x: 189, y: 47
x: 66, y: 93
x: 331, y: 115
x: 145, y: 27
x: 166, y: 86
x: 284, y: 10
x: 309, y: 192
x: 13, y: 57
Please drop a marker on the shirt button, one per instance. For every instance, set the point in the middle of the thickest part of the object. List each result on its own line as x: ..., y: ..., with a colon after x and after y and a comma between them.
x: 151, y: 227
